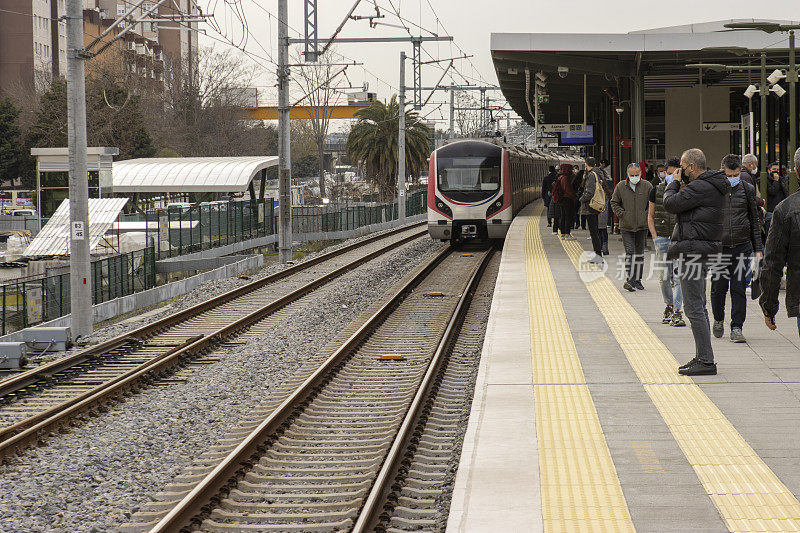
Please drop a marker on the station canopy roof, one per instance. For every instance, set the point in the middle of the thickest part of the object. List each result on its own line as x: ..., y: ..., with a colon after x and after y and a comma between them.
x: 658, y: 55
x: 188, y: 174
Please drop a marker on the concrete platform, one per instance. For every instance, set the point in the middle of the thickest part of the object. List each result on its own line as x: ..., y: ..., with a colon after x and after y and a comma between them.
x: 580, y: 421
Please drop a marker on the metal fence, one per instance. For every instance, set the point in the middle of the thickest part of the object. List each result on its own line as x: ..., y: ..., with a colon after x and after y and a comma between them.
x: 176, y: 231
x: 180, y: 230
x: 33, y: 301
x: 19, y: 223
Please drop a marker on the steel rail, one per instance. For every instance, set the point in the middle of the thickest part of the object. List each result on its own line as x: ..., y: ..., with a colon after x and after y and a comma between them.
x: 27, y: 431
x: 208, y: 489
x: 370, y: 511
x: 29, y: 377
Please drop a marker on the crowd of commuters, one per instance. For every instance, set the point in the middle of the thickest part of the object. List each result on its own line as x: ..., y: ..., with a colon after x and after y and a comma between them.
x: 705, y: 224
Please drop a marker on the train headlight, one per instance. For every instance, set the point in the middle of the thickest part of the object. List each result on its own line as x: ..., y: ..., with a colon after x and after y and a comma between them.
x: 494, y: 207
x: 443, y: 207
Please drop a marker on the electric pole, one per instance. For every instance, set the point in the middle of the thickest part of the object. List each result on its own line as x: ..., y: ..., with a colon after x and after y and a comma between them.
x: 452, y: 113
x: 284, y: 149
x: 401, y: 144
x: 80, y: 279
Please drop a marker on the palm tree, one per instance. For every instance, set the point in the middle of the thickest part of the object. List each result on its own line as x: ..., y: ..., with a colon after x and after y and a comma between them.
x: 373, y: 143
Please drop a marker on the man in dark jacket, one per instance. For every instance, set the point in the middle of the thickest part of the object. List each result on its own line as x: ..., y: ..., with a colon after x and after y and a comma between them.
x: 696, y: 195
x: 594, y: 178
x: 777, y: 191
x: 783, y: 249
x: 741, y: 236
x: 547, y: 192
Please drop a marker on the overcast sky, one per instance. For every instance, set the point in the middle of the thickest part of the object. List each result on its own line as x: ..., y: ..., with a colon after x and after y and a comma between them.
x: 470, y: 22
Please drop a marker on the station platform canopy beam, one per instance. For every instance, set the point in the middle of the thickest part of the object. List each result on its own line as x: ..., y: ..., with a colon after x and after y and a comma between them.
x: 188, y: 174
x: 601, y: 72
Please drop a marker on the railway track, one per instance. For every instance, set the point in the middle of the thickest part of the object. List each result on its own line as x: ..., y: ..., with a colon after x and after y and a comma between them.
x: 37, y: 401
x: 325, y: 458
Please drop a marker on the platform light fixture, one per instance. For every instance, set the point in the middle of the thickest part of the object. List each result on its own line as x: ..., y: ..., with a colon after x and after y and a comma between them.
x: 776, y: 76
x: 792, y: 78
x: 778, y: 90
x: 750, y: 91
x: 541, y: 76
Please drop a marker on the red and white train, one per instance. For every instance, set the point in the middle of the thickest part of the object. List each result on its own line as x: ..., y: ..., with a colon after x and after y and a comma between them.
x: 475, y: 187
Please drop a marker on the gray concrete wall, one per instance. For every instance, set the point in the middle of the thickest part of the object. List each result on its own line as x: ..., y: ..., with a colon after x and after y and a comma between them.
x: 682, y: 122
x: 238, y: 247
x: 156, y: 295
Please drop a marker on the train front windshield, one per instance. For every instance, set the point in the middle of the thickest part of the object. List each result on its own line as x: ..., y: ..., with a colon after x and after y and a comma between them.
x: 468, y: 174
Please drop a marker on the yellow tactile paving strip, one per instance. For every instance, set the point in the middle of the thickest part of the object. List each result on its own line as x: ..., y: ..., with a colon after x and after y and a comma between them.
x: 748, y: 495
x: 581, y: 491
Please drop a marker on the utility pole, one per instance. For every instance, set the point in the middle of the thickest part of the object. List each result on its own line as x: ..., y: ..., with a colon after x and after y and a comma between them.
x: 401, y: 144
x: 284, y: 149
x: 763, y: 91
x: 452, y: 113
x: 80, y: 279
x: 792, y: 75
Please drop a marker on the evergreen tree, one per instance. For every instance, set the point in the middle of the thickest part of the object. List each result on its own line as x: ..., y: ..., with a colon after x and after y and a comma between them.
x: 11, y: 149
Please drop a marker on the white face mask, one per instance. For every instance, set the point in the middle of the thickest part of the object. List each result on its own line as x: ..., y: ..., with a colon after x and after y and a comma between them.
x: 662, y: 174
x: 634, y: 179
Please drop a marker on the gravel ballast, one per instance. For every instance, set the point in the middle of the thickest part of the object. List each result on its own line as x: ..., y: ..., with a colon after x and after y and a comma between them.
x: 96, y: 476
x: 199, y: 295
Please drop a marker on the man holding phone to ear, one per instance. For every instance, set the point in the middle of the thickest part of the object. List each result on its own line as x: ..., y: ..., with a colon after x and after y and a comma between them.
x: 696, y: 195
x: 783, y: 249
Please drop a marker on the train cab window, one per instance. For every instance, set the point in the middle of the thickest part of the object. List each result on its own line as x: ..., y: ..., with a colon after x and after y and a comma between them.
x: 468, y: 174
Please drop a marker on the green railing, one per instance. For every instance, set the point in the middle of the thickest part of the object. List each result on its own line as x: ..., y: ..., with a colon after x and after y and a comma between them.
x: 33, y: 301
x: 181, y: 230
x: 177, y: 231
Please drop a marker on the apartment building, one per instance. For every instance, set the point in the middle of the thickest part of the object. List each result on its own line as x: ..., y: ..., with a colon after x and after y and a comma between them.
x: 33, y: 41
x: 32, y: 44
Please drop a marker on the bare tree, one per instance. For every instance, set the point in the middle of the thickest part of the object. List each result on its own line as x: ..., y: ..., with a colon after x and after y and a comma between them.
x: 317, y: 82
x: 467, y: 120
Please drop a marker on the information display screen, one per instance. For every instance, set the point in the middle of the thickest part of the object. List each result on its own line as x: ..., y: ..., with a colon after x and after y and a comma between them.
x: 577, y: 137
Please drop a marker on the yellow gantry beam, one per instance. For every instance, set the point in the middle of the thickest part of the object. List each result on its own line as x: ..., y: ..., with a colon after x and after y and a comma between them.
x: 303, y: 112
x: 747, y: 493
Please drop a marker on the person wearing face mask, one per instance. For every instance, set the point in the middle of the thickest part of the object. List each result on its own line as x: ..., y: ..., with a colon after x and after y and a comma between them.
x: 661, y: 225
x: 696, y: 195
x: 630, y: 203
x: 749, y: 171
x: 741, y: 236
x: 783, y: 251
x: 777, y: 191
x: 660, y: 176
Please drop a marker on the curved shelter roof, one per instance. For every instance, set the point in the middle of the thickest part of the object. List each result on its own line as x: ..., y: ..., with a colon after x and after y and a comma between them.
x: 188, y: 174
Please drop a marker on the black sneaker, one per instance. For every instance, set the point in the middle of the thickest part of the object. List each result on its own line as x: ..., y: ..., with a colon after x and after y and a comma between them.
x: 699, y: 368
x: 638, y: 285
x: 628, y: 287
x: 687, y: 365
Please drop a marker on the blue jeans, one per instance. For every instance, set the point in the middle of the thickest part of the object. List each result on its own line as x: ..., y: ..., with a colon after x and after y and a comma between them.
x: 670, y: 285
